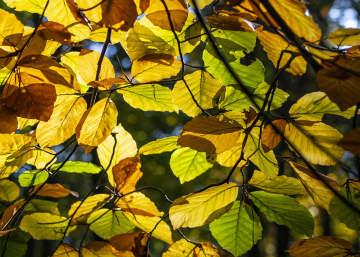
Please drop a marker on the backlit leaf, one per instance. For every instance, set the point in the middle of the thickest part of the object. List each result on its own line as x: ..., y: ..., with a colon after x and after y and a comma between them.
x: 149, y: 97
x: 284, y: 210
x: 147, y: 224
x: 166, y: 144
x: 11, y: 29
x: 321, y: 246
x: 343, y: 37
x: 65, y: 250
x: 77, y: 167
x: 131, y: 244
x: 158, y: 15
x: 155, y: 67
x: 108, y: 223
x: 50, y: 30
x: 88, y: 65
x: 351, y: 141
x: 202, y: 208
x: 62, y: 124
x: 237, y: 230
x: 127, y: 173
x: 98, y: 124
x: 53, y: 190
x: 9, y: 214
x: 204, y: 89
x: 8, y: 120
x: 42, y: 158
x: 185, y: 248
x: 280, y: 185
x: 9, y: 191
x: 187, y: 164
x: 32, y: 178
x: 45, y: 226
x: 210, y: 134
x: 38, y: 205
x: 348, y: 213
x: 316, y: 142
x: 314, y: 105
x: 270, y: 138
x: 124, y: 147
x: 91, y: 204
x: 315, y: 185
x: 96, y: 249
x: 138, y: 203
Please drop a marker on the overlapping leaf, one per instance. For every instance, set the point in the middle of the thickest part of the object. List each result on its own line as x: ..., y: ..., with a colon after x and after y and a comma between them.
x: 165, y: 144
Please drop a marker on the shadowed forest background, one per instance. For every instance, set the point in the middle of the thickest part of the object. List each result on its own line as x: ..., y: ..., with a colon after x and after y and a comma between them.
x: 149, y: 126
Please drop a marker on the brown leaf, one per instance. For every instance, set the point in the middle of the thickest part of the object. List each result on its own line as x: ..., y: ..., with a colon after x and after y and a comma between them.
x: 127, y: 173
x: 8, y: 214
x: 51, y: 30
x: 351, y: 141
x: 321, y: 246
x: 130, y: 244
x: 157, y: 14
x: 107, y: 83
x: 269, y: 137
x: 35, y: 101
x: 54, y: 190
x: 8, y: 120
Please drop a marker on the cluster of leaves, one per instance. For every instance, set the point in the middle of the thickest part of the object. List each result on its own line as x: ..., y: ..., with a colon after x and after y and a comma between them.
x: 230, y: 103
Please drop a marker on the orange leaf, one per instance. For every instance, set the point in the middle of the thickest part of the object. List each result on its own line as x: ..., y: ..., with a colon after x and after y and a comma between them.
x: 269, y: 137
x: 127, y: 173
x: 8, y: 120
x: 51, y: 30
x: 130, y: 244
x: 54, y: 190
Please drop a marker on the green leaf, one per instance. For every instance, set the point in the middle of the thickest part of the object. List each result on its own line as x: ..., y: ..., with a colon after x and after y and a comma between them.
x: 166, y: 144
x: 38, y: 205
x: 266, y: 162
x: 33, y: 177
x: 9, y: 191
x: 237, y: 230
x: 108, y: 223
x: 284, y: 210
x: 78, y: 167
x: 314, y: 105
x: 17, y: 245
x: 187, y: 164
x: 45, y: 226
x: 235, y: 100
x: 149, y: 97
x: 347, y: 215
x: 250, y: 76
x: 280, y: 185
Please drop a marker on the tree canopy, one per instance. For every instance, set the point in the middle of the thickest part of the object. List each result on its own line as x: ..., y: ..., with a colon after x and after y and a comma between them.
x: 279, y: 150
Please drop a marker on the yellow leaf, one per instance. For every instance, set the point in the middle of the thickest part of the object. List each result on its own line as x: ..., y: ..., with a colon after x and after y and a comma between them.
x: 184, y: 248
x: 294, y: 13
x: 88, y: 65
x: 158, y: 15
x: 317, y: 189
x: 210, y: 134
x: 98, y: 124
x: 155, y: 67
x: 96, y: 249
x: 127, y: 173
x: 23, y: 122
x: 107, y: 83
x: 41, y: 158
x: 274, y: 45
x: 35, y: 6
x: 321, y: 246
x: 91, y: 204
x: 204, y: 89
x: 98, y: 34
x: 48, y: 70
x: 53, y: 190
x: 197, y: 209
x: 147, y: 224
x: 11, y: 29
x: 280, y: 185
x: 114, y: 14
x: 351, y: 141
x: 316, y: 142
x: 125, y: 147
x: 129, y: 245
x: 343, y: 37
x: 341, y: 86
x: 231, y: 156
x: 62, y: 124
x: 65, y: 250
x: 270, y: 138
x: 139, y: 204
x: 149, y: 97
x: 9, y: 191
